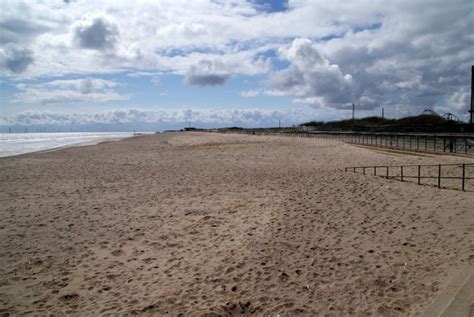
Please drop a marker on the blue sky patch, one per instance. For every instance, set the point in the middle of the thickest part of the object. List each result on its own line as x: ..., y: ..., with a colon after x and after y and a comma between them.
x: 271, y: 6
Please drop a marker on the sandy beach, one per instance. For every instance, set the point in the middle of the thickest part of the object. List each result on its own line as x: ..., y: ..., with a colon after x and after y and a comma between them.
x: 198, y: 224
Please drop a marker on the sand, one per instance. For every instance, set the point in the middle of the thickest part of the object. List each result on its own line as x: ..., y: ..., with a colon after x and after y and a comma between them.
x: 198, y: 224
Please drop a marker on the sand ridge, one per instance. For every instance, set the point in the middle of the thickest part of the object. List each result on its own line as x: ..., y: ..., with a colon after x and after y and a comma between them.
x: 198, y: 224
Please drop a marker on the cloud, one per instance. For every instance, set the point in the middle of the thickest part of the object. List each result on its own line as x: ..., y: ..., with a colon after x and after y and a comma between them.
x: 458, y: 102
x: 14, y: 58
x: 183, y: 32
x: 84, y: 85
x: 142, y: 74
x: 67, y: 91
x: 155, y: 78
x: 400, y: 54
x: 96, y: 32
x: 160, y: 118
x: 21, y: 21
x: 207, y: 73
x: 311, y: 77
x: 14, y: 30
x: 250, y: 93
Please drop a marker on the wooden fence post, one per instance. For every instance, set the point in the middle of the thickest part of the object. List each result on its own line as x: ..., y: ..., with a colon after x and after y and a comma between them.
x: 419, y: 174
x: 439, y: 176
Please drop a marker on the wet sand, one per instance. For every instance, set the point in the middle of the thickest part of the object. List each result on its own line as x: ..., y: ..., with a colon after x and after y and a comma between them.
x: 198, y: 224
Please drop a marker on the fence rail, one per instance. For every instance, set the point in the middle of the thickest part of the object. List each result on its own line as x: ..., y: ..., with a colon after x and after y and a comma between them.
x: 444, y: 143
x: 455, y: 176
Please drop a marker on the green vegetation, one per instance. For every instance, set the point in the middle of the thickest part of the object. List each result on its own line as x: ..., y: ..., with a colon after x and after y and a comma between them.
x: 378, y: 121
x: 422, y: 123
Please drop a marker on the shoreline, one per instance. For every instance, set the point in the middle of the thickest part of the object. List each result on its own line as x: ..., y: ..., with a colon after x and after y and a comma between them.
x: 204, y: 224
x: 80, y: 144
x: 71, y: 145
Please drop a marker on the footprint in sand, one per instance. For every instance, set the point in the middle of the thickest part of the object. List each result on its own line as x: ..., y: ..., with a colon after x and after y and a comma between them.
x: 117, y: 252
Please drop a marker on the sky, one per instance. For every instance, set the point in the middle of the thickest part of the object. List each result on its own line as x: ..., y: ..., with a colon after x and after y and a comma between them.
x: 164, y: 64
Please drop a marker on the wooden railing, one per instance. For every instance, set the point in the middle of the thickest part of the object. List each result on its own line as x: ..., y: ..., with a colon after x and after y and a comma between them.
x: 445, y: 143
x: 450, y: 176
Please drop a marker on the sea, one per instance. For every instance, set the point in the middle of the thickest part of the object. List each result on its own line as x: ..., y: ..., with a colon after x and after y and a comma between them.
x: 20, y: 143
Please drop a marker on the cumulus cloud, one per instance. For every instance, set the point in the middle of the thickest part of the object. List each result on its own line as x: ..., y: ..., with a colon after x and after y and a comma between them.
x: 183, y: 31
x: 459, y: 100
x: 67, y: 91
x: 458, y: 103
x: 207, y: 73
x: 15, y: 59
x: 96, y: 31
x: 401, y: 54
x: 311, y: 77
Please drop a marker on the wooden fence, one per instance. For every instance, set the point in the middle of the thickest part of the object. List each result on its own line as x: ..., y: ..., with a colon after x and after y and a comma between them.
x: 450, y: 176
x: 445, y: 143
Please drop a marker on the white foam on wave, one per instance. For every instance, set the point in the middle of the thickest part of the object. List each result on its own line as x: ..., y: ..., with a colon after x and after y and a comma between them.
x: 20, y: 143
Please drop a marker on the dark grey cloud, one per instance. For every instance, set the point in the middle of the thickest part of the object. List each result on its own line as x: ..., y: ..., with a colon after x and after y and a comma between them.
x: 206, y: 80
x: 418, y: 57
x: 16, y: 30
x: 397, y: 54
x: 16, y: 59
x: 96, y: 32
x: 22, y: 21
x: 207, y: 73
x: 86, y: 86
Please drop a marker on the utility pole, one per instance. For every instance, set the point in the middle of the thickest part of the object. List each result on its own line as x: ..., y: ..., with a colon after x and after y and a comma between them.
x: 353, y: 111
x: 382, y: 113
x: 279, y: 123
x: 472, y: 93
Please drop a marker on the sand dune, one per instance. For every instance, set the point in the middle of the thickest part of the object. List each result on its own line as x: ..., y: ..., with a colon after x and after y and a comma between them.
x: 196, y: 224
